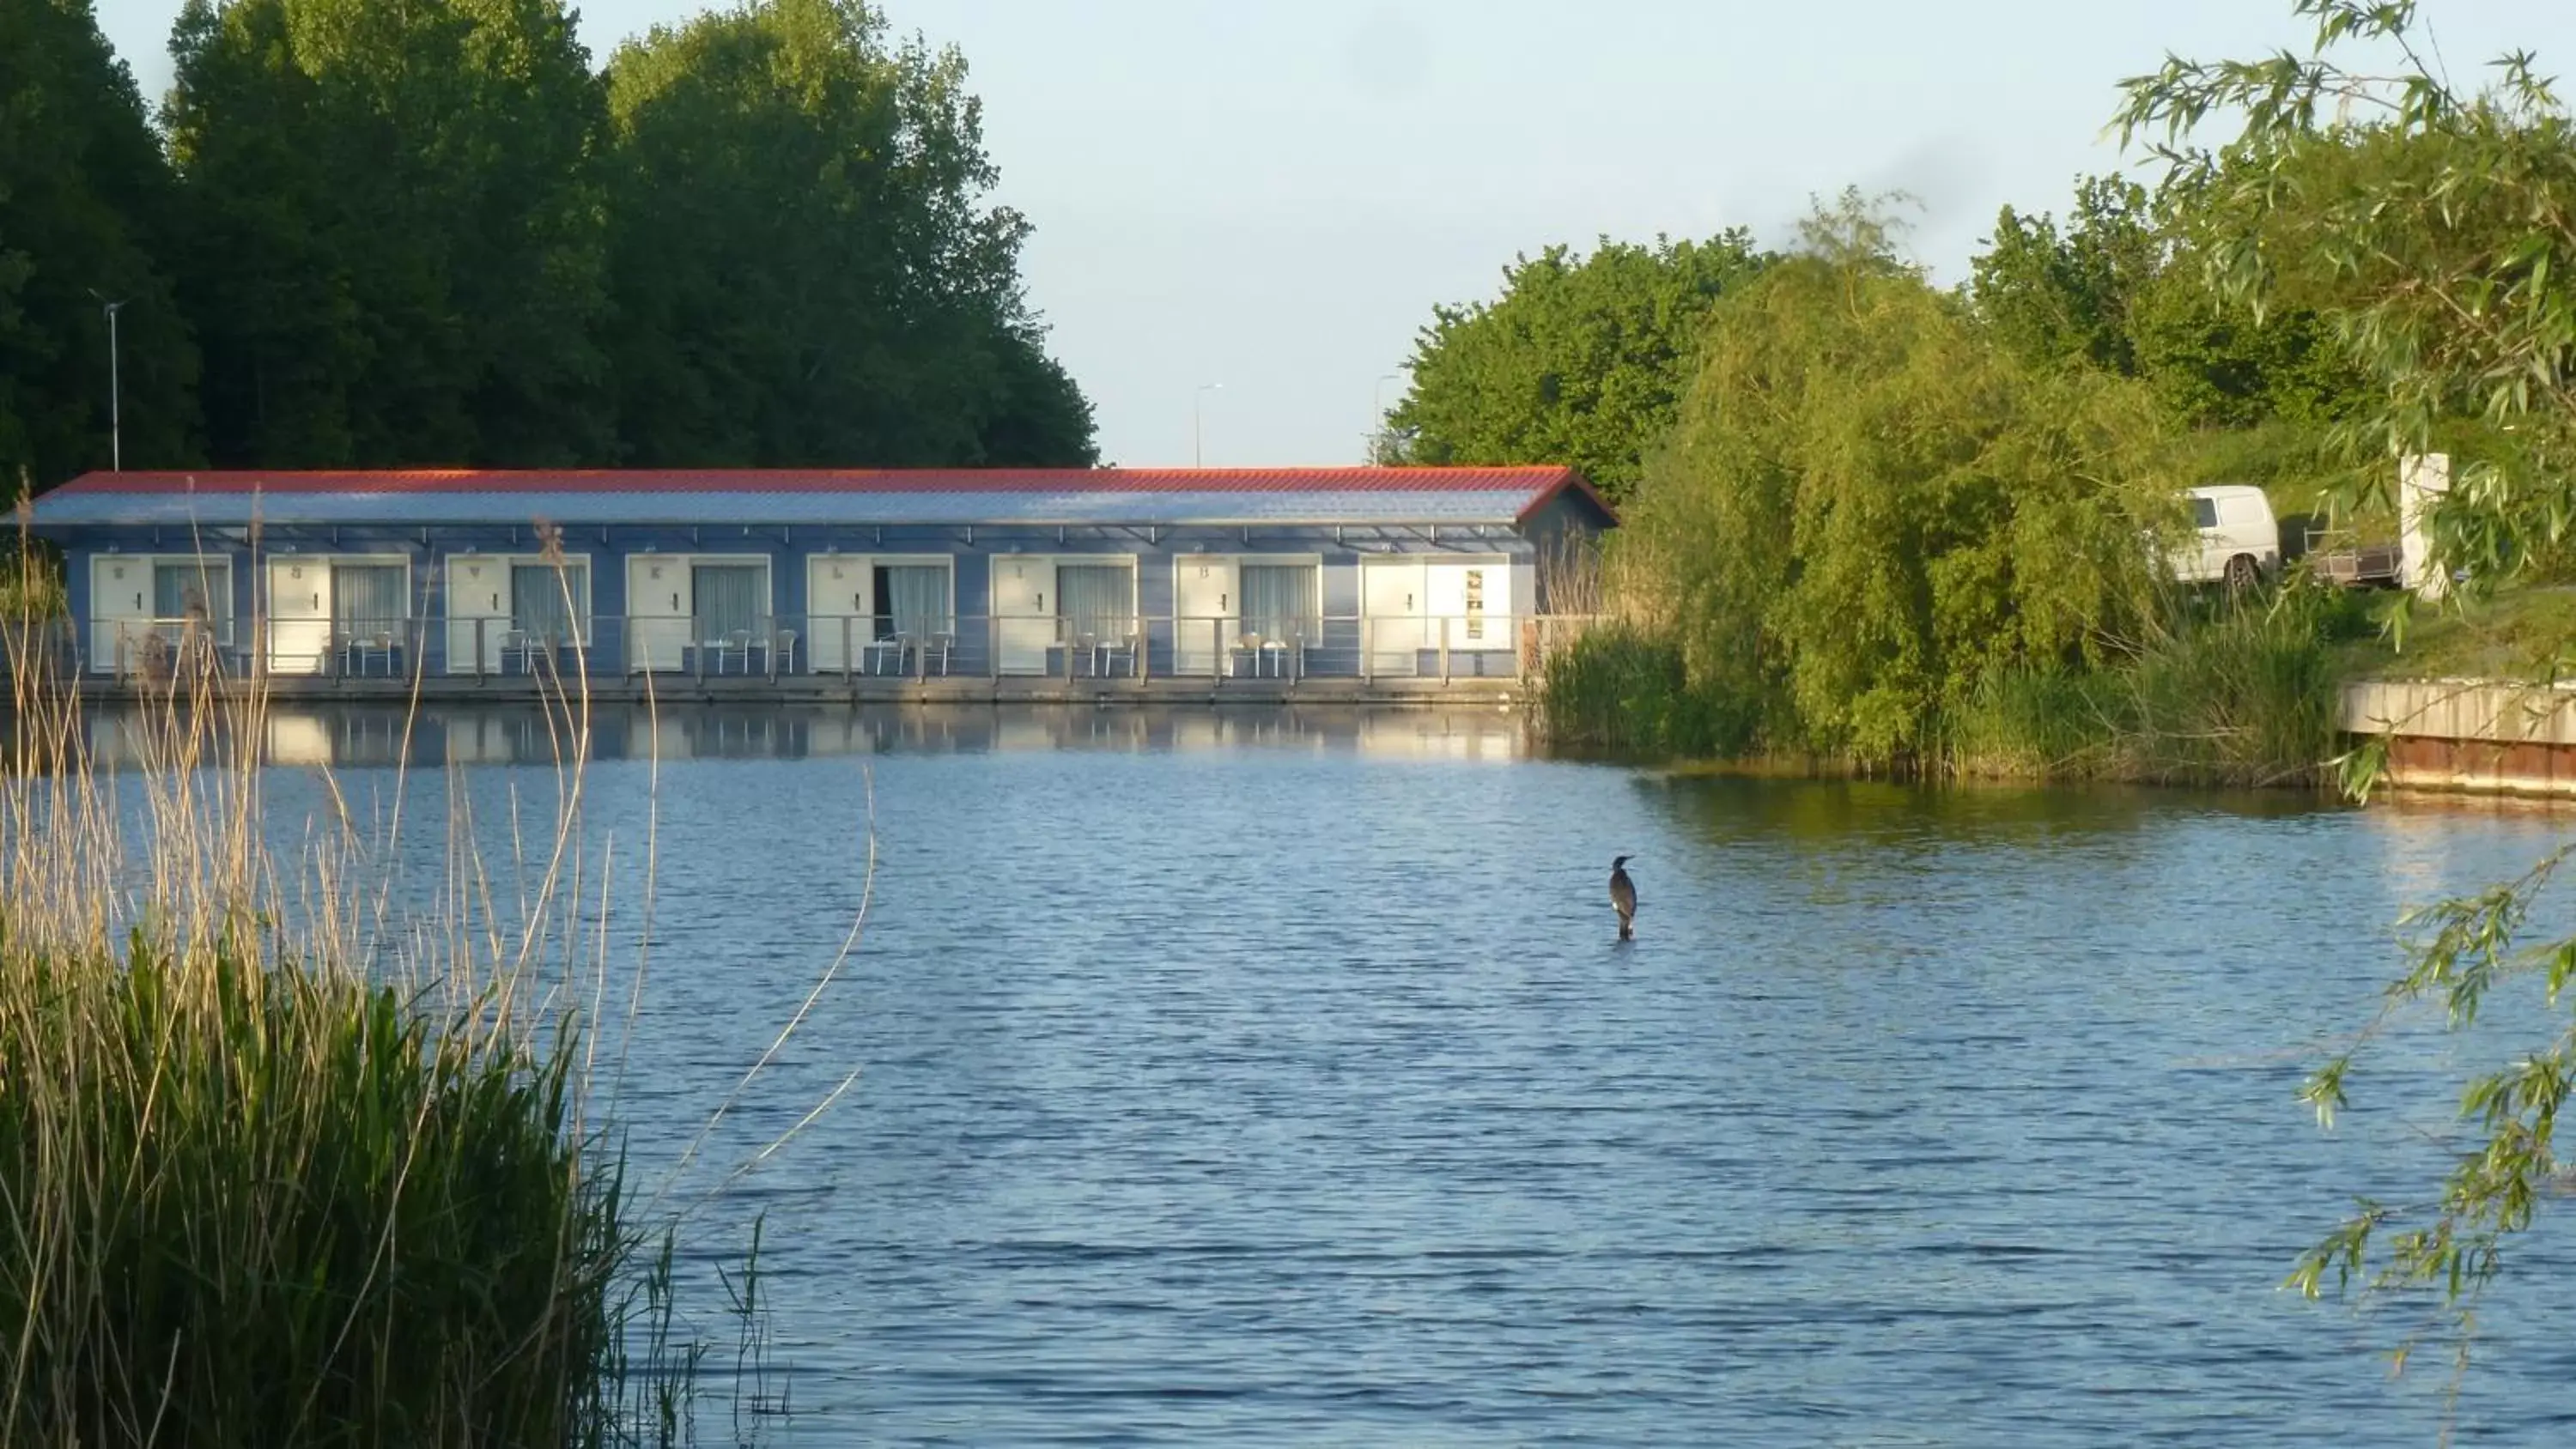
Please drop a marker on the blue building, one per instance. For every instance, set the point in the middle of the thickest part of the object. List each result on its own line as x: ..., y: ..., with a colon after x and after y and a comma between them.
x: 1360, y: 573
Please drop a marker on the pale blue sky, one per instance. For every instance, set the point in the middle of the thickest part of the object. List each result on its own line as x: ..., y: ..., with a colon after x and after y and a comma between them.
x: 1271, y: 194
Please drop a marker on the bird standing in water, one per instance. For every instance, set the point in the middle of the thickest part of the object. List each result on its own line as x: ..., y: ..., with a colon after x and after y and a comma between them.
x: 1623, y: 897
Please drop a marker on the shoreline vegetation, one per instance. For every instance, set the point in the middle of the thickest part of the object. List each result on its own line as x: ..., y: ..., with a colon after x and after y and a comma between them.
x: 289, y: 1159
x: 1880, y: 540
x: 1887, y: 530
x: 2224, y: 693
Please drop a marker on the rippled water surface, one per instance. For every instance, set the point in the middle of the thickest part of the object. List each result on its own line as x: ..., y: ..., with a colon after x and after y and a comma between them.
x: 1264, y: 1078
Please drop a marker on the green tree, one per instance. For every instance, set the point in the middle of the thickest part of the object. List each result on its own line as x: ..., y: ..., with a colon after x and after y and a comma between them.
x: 2057, y: 296
x: 2435, y: 232
x: 394, y: 246
x: 2120, y: 287
x: 805, y: 269
x: 1903, y: 507
x: 1582, y: 360
x: 85, y: 201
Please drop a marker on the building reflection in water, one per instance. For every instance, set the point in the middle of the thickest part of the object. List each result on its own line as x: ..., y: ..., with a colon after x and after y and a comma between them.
x: 362, y: 736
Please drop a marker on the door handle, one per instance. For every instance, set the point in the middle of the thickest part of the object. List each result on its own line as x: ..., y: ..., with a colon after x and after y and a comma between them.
x: 1041, y: 601
x: 1220, y: 603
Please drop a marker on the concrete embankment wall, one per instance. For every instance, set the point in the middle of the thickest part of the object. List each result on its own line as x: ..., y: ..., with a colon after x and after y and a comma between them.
x: 2474, y: 736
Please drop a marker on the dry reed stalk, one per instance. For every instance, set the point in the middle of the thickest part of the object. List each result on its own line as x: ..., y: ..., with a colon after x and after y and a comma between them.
x: 282, y: 1160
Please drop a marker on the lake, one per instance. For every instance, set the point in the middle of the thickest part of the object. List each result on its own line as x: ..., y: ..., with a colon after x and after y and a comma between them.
x: 1268, y: 1077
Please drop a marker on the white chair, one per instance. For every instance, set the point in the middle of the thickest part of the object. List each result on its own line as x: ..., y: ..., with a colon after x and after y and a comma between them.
x: 736, y: 646
x: 359, y: 648
x: 886, y: 649
x: 1113, y: 649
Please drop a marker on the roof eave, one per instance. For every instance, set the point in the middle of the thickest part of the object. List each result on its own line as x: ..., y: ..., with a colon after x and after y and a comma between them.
x: 1577, y: 483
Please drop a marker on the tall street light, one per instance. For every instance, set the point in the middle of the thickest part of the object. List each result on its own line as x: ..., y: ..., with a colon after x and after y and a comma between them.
x: 115, y: 424
x: 1205, y: 388
x: 1377, y: 420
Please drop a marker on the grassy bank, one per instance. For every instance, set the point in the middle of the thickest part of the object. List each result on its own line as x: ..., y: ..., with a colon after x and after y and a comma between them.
x: 281, y: 1162
x: 2219, y: 694
x: 2524, y: 633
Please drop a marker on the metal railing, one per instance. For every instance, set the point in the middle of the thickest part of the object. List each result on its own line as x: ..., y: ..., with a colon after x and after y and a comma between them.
x: 1217, y: 648
x: 159, y: 649
x: 32, y: 649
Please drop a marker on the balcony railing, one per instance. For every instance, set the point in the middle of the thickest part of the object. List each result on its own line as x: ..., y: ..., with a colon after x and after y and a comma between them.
x: 858, y: 647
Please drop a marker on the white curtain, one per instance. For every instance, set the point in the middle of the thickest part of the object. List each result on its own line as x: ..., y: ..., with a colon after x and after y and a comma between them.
x: 367, y: 599
x: 538, y: 608
x: 916, y: 598
x: 1279, y: 602
x: 192, y: 587
x: 728, y: 599
x: 1097, y: 600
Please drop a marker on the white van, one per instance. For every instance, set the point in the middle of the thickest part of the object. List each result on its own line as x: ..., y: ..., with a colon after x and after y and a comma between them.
x: 2236, y: 541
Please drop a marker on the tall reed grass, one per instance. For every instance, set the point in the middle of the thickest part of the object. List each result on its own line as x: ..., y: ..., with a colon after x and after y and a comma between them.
x: 31, y: 586
x: 1623, y: 688
x: 2228, y: 693
x: 2218, y: 693
x: 286, y: 1159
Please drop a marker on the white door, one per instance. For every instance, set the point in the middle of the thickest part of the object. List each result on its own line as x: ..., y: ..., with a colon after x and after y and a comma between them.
x: 1468, y: 600
x: 1204, y: 608
x: 1391, y: 599
x: 837, y: 611
x: 478, y: 611
x: 1023, y: 623
x: 659, y: 606
x: 120, y: 611
x: 299, y: 615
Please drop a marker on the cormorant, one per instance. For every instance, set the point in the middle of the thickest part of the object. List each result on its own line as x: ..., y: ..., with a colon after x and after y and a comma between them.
x: 1623, y: 897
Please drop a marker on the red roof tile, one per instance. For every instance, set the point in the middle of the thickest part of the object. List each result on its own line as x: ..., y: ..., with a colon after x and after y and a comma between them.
x: 1522, y: 491
x: 835, y: 480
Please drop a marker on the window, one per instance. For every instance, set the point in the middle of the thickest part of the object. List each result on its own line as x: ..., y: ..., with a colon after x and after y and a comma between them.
x: 2204, y: 513
x: 912, y: 600
x: 730, y: 600
x: 1097, y: 600
x: 367, y: 600
x: 548, y: 606
x: 1279, y: 602
x: 193, y: 589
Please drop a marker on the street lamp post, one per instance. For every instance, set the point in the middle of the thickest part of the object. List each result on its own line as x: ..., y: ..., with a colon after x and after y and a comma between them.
x: 1377, y: 418
x: 1196, y: 453
x: 115, y: 422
